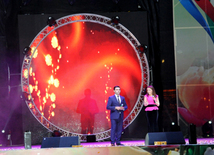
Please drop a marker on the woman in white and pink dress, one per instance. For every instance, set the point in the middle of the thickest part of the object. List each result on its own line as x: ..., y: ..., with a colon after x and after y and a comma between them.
x: 151, y: 102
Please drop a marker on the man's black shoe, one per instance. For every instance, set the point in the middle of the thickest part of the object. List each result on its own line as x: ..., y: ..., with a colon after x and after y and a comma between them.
x: 112, y: 145
x: 119, y: 144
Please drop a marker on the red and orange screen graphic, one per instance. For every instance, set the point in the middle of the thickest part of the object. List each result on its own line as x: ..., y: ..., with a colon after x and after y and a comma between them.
x: 73, y: 72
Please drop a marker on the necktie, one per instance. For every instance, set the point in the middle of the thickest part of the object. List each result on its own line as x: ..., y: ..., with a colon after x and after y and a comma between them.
x: 118, y: 99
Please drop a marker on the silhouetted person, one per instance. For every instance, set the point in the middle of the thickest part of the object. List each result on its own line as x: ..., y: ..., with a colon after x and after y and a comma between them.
x: 87, y: 107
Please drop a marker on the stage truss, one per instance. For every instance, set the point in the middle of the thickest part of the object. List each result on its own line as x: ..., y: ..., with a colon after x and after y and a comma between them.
x: 83, y: 18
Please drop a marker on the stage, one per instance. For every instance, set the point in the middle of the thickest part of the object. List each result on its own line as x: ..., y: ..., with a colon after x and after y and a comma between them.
x: 131, y: 147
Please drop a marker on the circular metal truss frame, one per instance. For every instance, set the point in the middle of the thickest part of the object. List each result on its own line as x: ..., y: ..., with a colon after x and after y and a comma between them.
x: 83, y: 18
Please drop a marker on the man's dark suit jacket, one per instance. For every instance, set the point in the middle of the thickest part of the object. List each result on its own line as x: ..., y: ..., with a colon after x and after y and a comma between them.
x: 112, y: 103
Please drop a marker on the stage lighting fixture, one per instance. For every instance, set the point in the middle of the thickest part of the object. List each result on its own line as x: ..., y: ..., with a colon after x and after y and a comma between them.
x: 115, y: 20
x: 27, y: 51
x: 175, y: 127
x: 56, y: 133
x: 207, y: 129
x: 51, y: 21
x: 91, y: 138
x: 71, y: 2
x: 116, y: 1
x: 27, y: 139
x: 142, y: 48
x: 25, y: 2
x: 3, y: 131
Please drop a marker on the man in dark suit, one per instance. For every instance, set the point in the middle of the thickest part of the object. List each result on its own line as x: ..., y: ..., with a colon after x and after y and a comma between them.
x: 117, y: 105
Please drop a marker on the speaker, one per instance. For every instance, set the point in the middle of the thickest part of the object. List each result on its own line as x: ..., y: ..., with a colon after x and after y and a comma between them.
x: 192, y: 134
x: 53, y: 142
x: 169, y: 137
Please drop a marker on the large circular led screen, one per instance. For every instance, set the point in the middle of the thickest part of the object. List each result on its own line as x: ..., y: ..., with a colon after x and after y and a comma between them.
x: 71, y: 72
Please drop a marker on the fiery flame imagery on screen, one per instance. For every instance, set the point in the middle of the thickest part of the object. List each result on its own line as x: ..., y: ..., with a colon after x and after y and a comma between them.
x: 73, y: 72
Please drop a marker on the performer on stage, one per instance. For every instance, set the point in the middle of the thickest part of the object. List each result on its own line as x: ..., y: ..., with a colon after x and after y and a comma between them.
x: 117, y: 105
x: 151, y: 101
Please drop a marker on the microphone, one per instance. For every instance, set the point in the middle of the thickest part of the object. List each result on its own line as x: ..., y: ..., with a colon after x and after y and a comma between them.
x: 153, y: 98
x: 121, y: 110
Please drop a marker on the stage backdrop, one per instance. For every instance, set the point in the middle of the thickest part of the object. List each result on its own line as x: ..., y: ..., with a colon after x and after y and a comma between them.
x: 194, y: 57
x: 74, y: 70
